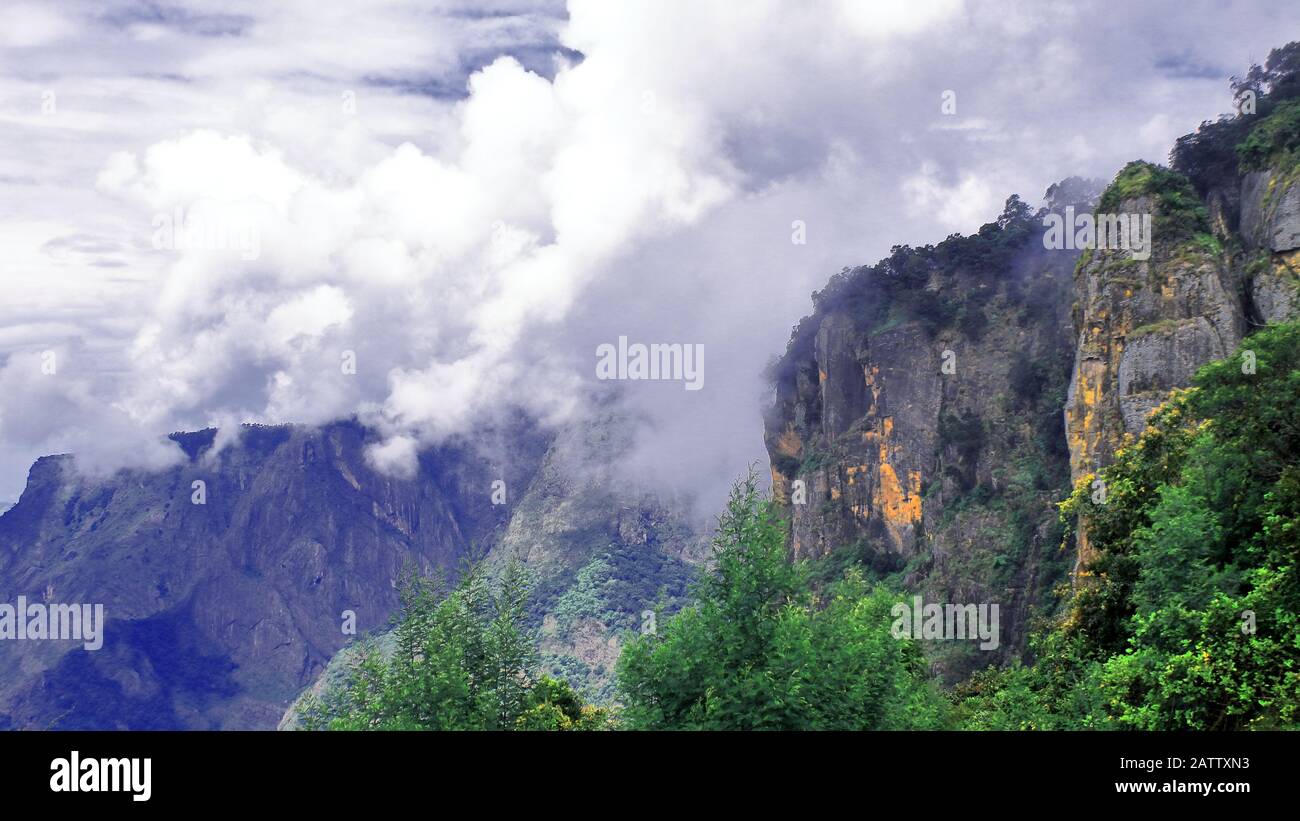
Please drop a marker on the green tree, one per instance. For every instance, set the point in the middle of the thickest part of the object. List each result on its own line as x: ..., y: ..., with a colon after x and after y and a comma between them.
x: 1188, y: 619
x: 463, y: 661
x: 758, y: 650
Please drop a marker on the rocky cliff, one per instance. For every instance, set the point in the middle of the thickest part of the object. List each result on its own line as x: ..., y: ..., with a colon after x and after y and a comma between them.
x: 219, y: 613
x: 1145, y: 325
x: 1225, y: 260
x: 602, y: 549
x: 917, y: 422
x: 916, y: 427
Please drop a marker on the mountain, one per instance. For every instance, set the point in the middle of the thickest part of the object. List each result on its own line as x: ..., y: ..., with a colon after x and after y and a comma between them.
x: 219, y: 613
x: 916, y: 427
x: 1225, y: 261
x: 927, y: 419
x: 601, y: 550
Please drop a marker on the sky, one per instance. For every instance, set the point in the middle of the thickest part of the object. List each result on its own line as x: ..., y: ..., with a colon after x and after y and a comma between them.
x: 425, y: 214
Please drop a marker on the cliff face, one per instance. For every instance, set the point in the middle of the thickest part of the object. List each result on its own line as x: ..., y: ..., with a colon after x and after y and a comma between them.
x: 1270, y: 235
x: 601, y: 550
x: 218, y: 614
x: 944, y: 478
x: 1145, y: 326
x: 864, y: 423
x: 1219, y: 267
x: 916, y: 426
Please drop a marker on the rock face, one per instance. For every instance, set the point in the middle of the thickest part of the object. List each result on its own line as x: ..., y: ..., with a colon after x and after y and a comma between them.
x: 945, y: 478
x: 1144, y: 327
x: 1270, y: 232
x: 926, y: 443
x: 875, y: 403
x: 219, y: 614
x: 1270, y: 210
x: 601, y: 549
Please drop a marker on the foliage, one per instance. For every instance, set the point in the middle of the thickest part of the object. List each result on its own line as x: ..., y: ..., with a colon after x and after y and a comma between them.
x: 895, y: 289
x: 1179, y: 212
x: 1210, y: 156
x: 553, y: 705
x: 758, y: 650
x: 613, y: 588
x: 1188, y: 619
x: 1272, y: 140
x: 966, y: 435
x: 463, y: 661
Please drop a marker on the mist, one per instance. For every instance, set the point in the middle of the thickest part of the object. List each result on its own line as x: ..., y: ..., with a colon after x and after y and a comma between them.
x: 465, y: 205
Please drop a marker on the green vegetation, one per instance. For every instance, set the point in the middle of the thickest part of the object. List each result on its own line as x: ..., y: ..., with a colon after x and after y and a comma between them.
x: 1215, y: 154
x: 813, y: 460
x: 894, y: 291
x: 612, y: 589
x: 758, y: 650
x: 1179, y: 213
x: 1188, y: 619
x: 1273, y: 141
x: 463, y: 661
x: 1161, y: 326
x: 966, y: 435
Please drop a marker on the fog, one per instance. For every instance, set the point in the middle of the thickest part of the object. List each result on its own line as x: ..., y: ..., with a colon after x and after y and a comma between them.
x: 465, y: 201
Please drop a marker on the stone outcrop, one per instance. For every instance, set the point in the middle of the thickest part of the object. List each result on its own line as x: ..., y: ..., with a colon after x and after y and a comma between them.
x: 932, y: 451
x: 1270, y: 232
x: 219, y: 614
x: 1143, y: 327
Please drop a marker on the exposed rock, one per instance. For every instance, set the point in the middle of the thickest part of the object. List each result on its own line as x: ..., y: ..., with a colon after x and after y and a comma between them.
x: 601, y: 548
x: 1144, y: 327
x: 1275, y: 286
x: 877, y: 451
x: 1270, y: 209
x: 220, y: 614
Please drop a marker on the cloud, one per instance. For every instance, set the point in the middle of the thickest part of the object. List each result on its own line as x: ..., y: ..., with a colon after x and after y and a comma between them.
x: 54, y: 397
x: 25, y: 25
x: 955, y: 205
x: 396, y: 456
x: 465, y: 202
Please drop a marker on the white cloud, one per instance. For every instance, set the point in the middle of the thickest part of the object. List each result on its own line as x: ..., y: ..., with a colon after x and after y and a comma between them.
x: 960, y: 206
x: 471, y: 250
x: 26, y: 25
